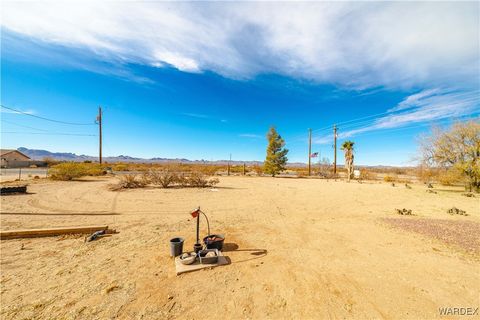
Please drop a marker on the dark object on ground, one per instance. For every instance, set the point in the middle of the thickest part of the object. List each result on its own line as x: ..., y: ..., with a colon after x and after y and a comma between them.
x: 407, y: 186
x: 404, y: 212
x: 214, y: 241
x: 431, y: 191
x: 208, y: 256
x: 5, y: 190
x: 470, y: 195
x: 430, y: 186
x: 393, y: 184
x: 454, y: 210
x: 34, y: 233
x: 176, y: 246
x: 95, y: 235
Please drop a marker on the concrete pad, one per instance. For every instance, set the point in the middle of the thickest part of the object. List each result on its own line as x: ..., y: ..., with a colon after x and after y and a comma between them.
x: 182, y: 268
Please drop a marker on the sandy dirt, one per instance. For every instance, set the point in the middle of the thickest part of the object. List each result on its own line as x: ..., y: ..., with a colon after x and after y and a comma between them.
x: 299, y: 249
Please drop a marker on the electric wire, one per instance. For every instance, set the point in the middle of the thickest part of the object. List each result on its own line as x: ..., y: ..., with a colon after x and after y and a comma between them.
x: 47, y: 119
x: 51, y: 133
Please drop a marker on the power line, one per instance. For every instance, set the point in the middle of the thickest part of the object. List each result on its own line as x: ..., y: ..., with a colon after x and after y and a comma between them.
x: 52, y: 133
x: 27, y: 127
x: 47, y: 119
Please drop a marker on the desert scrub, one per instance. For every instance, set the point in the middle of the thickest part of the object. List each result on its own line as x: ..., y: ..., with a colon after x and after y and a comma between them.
x: 120, y: 167
x: 390, y: 178
x: 367, y: 175
x: 195, y: 179
x: 199, y: 180
x: 128, y: 181
x: 164, y: 178
x: 74, y: 170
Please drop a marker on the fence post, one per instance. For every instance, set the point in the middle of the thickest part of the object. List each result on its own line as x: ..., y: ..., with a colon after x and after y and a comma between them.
x: 19, y: 174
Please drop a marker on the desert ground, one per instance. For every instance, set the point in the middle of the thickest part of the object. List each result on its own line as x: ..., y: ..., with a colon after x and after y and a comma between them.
x: 298, y: 249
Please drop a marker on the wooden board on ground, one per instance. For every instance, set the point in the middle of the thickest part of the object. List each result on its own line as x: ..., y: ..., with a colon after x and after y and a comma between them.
x: 182, y: 268
x: 34, y: 233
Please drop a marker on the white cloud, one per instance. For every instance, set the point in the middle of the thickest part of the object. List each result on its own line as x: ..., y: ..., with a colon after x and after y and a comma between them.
x: 418, y: 109
x: 16, y: 112
x: 196, y: 115
x: 359, y: 45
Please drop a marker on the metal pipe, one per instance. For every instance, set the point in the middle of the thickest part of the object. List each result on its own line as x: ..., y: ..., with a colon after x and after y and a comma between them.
x: 198, y: 226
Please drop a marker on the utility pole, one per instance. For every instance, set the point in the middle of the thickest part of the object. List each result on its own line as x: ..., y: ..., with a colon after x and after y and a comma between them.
x: 335, y: 149
x: 99, y: 121
x: 309, y: 152
x: 244, y: 171
x: 228, y: 166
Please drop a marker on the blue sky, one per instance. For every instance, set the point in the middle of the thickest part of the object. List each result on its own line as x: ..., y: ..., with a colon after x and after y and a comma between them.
x: 203, y: 80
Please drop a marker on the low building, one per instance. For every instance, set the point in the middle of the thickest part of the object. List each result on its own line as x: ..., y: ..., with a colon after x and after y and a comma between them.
x: 14, y: 159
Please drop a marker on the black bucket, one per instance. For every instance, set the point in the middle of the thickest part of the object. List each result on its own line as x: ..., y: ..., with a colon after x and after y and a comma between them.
x: 176, y: 246
x: 217, y: 243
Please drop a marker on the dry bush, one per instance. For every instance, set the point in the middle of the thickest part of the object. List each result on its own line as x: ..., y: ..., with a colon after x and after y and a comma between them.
x: 199, y: 180
x: 425, y: 174
x: 128, y: 181
x: 72, y: 170
x: 164, y: 178
x: 209, y: 170
x: 301, y: 173
x: 367, y: 175
x: 450, y: 177
x: 258, y: 170
x: 120, y: 167
x: 237, y: 169
x: 390, y: 178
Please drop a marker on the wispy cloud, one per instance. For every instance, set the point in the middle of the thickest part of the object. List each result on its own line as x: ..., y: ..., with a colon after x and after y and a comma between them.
x: 15, y: 112
x: 196, y: 115
x: 250, y: 135
x: 360, y: 45
x: 421, y: 108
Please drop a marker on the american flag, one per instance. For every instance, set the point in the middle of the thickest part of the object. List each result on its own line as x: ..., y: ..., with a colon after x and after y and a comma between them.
x: 314, y: 155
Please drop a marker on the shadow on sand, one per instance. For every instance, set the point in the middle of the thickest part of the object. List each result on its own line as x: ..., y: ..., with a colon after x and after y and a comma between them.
x: 233, y: 247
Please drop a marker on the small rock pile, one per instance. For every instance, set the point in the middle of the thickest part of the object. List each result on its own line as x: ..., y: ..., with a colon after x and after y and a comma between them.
x: 454, y: 210
x: 404, y: 212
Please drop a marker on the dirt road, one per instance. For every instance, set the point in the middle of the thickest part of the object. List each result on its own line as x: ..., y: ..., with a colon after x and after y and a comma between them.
x: 299, y: 248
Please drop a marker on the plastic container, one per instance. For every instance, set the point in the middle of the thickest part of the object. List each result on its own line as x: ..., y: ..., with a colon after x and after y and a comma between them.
x: 188, y: 258
x: 176, y: 246
x: 214, y: 244
x: 208, y: 260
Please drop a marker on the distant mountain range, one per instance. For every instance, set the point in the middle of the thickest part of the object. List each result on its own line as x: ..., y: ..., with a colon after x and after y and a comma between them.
x: 68, y: 156
x: 36, y: 154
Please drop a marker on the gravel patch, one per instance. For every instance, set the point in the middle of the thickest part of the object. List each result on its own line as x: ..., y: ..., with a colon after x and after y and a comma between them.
x: 462, y: 234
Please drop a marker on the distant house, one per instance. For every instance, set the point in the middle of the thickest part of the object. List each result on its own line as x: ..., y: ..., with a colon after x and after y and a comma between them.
x: 14, y: 159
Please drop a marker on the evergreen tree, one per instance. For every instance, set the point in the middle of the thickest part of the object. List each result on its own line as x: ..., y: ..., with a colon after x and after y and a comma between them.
x: 276, y: 153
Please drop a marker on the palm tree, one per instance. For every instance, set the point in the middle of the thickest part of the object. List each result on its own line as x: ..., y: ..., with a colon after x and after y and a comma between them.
x: 347, y: 148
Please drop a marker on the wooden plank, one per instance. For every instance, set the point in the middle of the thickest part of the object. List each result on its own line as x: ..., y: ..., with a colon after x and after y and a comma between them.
x: 33, y: 233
